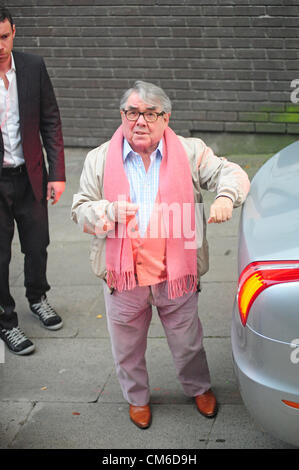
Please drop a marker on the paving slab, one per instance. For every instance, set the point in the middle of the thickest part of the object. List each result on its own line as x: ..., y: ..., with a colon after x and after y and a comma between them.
x: 223, y: 379
x: 64, y: 426
x: 42, y: 429
x: 63, y: 229
x: 79, y: 308
x: 215, y: 304
x: 74, y: 161
x: 60, y: 370
x: 13, y: 416
x: 235, y: 429
x: 222, y: 268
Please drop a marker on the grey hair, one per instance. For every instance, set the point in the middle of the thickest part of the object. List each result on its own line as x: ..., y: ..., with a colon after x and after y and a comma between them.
x: 149, y: 93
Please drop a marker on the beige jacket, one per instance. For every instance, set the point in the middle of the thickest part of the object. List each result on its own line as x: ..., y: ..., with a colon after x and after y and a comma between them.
x: 208, y: 171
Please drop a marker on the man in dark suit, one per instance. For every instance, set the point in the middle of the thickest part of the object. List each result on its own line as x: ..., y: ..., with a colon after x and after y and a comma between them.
x: 28, y: 112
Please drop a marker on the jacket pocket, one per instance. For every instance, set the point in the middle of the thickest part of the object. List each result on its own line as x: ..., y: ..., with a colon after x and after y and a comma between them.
x: 203, y: 258
x: 97, y: 257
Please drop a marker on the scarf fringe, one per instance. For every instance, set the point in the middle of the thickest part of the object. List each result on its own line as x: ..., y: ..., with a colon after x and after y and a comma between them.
x: 182, y: 285
x: 176, y: 287
x: 121, y: 281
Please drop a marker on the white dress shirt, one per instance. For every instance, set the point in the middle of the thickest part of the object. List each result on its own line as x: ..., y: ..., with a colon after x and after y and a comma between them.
x: 10, y: 120
x: 143, y: 184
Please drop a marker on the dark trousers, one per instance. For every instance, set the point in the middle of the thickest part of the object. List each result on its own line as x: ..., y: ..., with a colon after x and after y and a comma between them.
x: 18, y: 204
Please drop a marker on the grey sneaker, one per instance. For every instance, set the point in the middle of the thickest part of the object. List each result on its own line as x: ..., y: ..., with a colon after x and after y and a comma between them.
x: 46, y: 314
x: 16, y: 341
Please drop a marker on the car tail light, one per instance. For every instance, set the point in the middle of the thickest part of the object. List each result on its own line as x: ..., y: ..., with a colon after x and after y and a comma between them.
x: 258, y: 276
x: 292, y: 404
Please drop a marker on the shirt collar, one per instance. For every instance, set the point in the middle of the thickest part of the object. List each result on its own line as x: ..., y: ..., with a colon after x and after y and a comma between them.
x: 127, y: 149
x: 13, y: 66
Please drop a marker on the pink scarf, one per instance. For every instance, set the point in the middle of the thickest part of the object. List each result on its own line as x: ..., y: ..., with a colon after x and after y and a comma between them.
x: 175, y: 187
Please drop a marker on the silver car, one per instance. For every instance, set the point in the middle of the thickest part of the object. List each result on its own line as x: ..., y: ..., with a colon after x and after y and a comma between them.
x: 265, y: 324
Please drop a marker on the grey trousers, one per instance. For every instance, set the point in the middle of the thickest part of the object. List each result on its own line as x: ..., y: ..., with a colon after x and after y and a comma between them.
x: 129, y: 315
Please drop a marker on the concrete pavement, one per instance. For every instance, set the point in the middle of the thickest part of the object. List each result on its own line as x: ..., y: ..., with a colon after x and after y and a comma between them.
x: 66, y: 395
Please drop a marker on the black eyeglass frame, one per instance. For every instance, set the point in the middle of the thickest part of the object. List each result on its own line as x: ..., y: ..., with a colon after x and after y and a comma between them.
x: 125, y: 111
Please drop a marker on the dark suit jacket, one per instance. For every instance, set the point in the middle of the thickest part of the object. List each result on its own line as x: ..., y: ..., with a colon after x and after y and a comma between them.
x: 39, y: 118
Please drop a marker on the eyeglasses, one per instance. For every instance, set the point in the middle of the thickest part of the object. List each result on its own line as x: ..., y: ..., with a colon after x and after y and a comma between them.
x: 149, y: 116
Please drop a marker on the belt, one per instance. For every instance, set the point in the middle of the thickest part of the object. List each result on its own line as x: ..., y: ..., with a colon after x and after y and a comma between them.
x: 13, y: 171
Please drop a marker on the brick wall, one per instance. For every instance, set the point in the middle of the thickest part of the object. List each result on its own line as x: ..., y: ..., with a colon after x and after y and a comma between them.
x: 227, y: 65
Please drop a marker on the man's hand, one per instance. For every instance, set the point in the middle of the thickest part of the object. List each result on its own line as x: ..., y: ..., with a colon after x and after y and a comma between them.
x: 54, y: 190
x: 221, y: 210
x: 124, y: 211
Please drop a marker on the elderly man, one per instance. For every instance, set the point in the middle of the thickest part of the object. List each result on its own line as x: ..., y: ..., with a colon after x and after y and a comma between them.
x: 145, y: 252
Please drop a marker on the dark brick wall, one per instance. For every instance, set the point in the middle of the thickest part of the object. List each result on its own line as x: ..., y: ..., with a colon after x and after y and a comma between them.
x: 227, y: 65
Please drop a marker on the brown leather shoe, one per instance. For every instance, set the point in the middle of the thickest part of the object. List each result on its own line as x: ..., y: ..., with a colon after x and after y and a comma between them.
x: 206, y: 404
x: 141, y: 416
